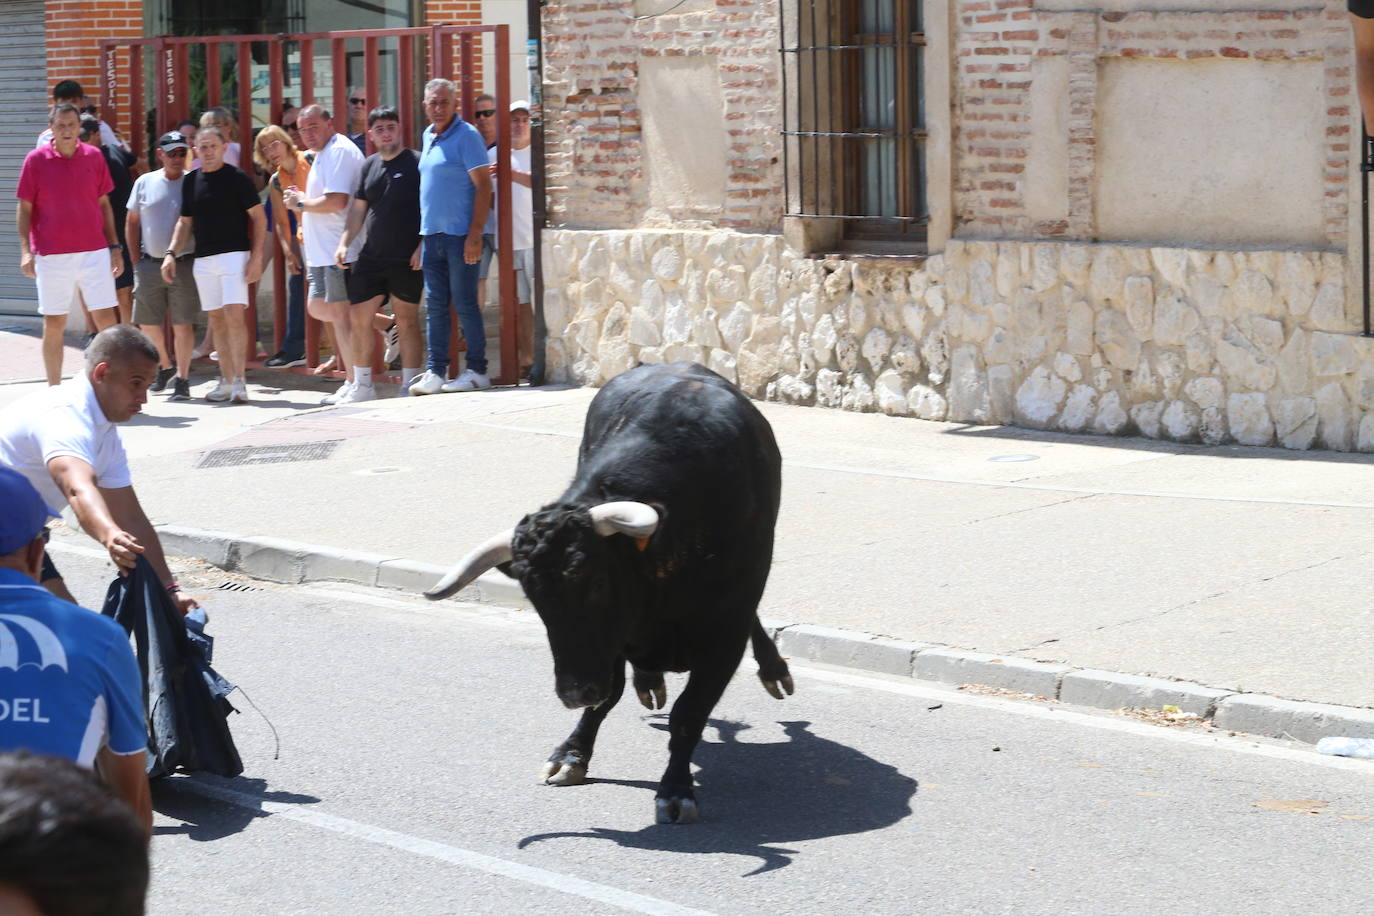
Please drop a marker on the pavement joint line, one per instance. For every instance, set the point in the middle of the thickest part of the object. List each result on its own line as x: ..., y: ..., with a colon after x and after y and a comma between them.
x: 1257, y: 714
x: 453, y: 855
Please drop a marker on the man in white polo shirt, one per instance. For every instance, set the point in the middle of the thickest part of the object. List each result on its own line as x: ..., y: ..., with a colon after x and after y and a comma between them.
x: 64, y: 440
x: 324, y: 206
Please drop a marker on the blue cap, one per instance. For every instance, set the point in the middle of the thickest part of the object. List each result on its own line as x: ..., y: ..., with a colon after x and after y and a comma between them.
x: 25, y: 513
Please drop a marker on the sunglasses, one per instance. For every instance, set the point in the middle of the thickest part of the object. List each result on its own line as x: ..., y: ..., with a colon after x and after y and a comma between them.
x: 174, y: 153
x: 45, y: 534
x: 353, y: 101
x: 486, y: 113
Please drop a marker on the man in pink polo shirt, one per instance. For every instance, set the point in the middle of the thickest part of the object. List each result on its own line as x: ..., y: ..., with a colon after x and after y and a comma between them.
x: 67, y: 235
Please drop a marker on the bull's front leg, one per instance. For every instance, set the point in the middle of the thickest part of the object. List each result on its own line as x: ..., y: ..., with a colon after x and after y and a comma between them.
x: 649, y: 687
x: 676, y: 801
x: 568, y: 763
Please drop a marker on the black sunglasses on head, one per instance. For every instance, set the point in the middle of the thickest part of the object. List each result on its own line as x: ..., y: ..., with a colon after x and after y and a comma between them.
x: 486, y: 113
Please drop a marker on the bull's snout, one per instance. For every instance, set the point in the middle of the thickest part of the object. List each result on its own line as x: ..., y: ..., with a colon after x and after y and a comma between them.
x: 580, y: 694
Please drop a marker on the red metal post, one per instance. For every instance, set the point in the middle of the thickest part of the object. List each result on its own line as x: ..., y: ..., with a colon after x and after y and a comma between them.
x: 138, y: 109
x: 307, y: 73
x: 340, y: 104
x: 275, y: 77
x: 245, y: 104
x: 405, y: 88
x: 183, y: 106
x: 212, y: 85
x: 370, y: 82
x: 510, y: 360
x: 110, y: 84
x: 467, y: 86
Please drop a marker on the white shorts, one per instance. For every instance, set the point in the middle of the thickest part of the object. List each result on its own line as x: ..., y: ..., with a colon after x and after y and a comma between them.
x: 60, y: 276
x: 219, y: 280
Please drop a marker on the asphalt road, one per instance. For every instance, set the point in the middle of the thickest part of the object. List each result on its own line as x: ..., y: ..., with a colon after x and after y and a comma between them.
x: 411, y: 736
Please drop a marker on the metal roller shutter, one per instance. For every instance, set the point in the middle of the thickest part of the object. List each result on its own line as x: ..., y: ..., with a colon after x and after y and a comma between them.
x: 23, y: 111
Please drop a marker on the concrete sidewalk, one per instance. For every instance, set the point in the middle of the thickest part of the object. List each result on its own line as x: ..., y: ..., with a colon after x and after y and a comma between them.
x: 1066, y: 561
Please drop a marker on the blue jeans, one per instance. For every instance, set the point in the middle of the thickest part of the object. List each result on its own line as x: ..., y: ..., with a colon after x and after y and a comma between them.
x: 293, y: 341
x: 449, y: 280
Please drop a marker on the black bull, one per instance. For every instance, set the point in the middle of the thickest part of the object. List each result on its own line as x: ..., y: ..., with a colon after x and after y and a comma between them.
x: 657, y: 553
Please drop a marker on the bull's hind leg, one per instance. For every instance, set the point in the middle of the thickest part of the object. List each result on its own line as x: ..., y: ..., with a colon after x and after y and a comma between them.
x: 649, y: 686
x: 568, y: 764
x: 773, y: 671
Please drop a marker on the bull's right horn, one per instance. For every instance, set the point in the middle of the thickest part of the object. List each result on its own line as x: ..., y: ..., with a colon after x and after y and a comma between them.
x: 493, y: 553
x: 638, y: 520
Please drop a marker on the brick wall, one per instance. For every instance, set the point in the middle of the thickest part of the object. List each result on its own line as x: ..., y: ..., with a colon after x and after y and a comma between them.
x: 592, y: 50
x: 75, y: 29
x: 458, y: 12
x: 997, y: 40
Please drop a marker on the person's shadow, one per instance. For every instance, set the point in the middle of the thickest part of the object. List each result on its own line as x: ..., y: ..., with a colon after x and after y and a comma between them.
x: 205, y: 817
x: 757, y: 796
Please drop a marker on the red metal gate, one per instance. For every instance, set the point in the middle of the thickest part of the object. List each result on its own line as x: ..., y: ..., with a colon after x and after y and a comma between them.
x: 163, y: 64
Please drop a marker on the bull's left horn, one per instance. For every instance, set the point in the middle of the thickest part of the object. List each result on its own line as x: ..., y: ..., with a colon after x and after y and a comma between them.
x: 637, y: 520
x: 493, y: 553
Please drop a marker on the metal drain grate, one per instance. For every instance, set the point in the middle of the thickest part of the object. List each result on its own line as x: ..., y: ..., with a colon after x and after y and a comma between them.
x: 236, y: 587
x: 268, y: 454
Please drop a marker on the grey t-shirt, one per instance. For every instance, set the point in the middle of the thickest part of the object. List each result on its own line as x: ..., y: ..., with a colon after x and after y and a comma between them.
x: 158, y: 202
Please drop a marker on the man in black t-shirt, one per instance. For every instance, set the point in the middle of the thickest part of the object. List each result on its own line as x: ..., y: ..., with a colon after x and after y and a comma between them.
x: 388, y: 203
x: 118, y: 162
x: 221, y: 209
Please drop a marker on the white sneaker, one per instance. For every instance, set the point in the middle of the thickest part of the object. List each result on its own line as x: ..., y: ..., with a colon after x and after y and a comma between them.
x: 468, y: 381
x: 429, y: 383
x: 392, y: 336
x: 356, y: 393
x: 337, y: 397
x: 223, y: 391
x: 239, y: 393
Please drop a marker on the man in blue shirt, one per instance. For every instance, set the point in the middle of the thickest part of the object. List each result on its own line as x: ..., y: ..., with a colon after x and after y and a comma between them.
x: 69, y: 683
x: 455, y: 195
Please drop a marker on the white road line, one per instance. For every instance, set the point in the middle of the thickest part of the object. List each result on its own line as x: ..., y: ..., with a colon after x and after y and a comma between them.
x: 464, y: 858
x: 1239, y: 745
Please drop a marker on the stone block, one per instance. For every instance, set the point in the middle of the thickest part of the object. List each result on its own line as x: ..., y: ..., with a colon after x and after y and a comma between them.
x: 953, y: 666
x: 1257, y: 714
x: 1295, y: 422
x: 1247, y: 416
x: 409, y: 575
x: 273, y: 559
x: 1109, y: 690
x: 218, y: 548
x: 325, y: 564
x: 851, y: 650
x: 1039, y: 398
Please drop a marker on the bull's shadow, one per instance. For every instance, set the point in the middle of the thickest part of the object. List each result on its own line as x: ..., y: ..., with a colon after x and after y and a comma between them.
x: 756, y: 796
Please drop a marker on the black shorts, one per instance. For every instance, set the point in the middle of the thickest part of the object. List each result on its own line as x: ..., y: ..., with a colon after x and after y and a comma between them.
x: 49, y: 570
x: 370, y: 279
x: 1362, y: 8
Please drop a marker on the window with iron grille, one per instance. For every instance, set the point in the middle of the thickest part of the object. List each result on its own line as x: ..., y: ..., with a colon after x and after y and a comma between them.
x: 853, y: 123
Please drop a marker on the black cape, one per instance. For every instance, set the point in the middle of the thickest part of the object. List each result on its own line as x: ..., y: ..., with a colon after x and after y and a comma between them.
x: 185, y: 700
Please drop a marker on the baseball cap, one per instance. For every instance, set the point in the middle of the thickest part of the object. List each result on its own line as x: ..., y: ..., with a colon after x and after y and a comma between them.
x: 520, y: 105
x: 172, y: 140
x: 24, y: 515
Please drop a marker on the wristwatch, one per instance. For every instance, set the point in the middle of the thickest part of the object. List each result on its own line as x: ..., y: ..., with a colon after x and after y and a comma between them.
x: 171, y: 251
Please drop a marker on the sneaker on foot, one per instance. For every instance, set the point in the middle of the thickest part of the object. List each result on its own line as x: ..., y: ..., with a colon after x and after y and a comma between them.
x: 181, y: 390
x: 214, y: 356
x: 468, y: 381
x: 337, y: 397
x: 429, y: 383
x: 239, y: 395
x: 222, y: 391
x: 356, y: 393
x: 392, y: 336
x: 284, y: 360
x: 163, y: 377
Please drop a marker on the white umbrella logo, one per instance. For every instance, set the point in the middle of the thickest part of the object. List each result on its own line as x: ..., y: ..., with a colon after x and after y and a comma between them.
x: 50, y: 651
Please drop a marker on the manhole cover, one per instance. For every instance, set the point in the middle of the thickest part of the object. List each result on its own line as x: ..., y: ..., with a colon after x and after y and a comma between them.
x: 268, y: 454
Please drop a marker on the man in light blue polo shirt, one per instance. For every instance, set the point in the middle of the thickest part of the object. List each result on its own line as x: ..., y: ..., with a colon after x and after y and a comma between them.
x: 69, y: 683
x: 455, y: 195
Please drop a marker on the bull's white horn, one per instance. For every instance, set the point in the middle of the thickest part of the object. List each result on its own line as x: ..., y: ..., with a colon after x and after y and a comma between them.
x: 494, y: 552
x: 637, y: 520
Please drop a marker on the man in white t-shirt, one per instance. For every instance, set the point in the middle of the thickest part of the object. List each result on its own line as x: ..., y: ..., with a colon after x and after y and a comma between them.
x: 64, y: 440
x: 522, y: 228
x: 324, y: 205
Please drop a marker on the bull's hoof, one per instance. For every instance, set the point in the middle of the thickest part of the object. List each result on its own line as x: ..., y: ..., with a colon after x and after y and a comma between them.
x: 676, y: 811
x: 656, y: 698
x: 776, y: 688
x: 564, y: 770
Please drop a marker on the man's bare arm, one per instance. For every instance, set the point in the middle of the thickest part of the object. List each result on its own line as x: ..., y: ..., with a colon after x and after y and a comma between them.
x: 357, y: 215
x: 23, y: 217
x: 127, y: 776
x: 133, y: 233
x: 76, y: 479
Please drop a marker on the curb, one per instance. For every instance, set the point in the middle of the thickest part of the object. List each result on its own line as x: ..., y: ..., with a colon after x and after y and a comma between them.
x: 293, y: 562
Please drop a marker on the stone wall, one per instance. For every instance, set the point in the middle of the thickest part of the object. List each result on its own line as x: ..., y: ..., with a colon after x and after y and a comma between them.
x: 1254, y: 347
